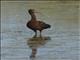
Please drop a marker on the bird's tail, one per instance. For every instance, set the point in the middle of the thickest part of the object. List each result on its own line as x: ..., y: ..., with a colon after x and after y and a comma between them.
x: 47, y: 26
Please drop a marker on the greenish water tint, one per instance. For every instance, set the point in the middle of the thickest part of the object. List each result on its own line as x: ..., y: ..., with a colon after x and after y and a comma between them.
x: 64, y: 32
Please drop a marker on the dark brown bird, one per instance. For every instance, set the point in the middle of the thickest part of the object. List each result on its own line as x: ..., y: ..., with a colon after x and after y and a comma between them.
x: 35, y: 25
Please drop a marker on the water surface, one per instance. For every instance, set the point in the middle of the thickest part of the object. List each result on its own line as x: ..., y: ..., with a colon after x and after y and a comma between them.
x: 64, y: 33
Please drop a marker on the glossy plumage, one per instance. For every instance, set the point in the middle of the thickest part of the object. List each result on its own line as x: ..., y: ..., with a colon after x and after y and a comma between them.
x: 35, y: 25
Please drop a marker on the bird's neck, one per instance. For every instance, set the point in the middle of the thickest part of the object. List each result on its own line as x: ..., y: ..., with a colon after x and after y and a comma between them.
x: 33, y: 17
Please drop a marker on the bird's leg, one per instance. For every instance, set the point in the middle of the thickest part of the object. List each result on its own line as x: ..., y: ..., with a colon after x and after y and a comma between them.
x: 40, y: 33
x: 35, y: 33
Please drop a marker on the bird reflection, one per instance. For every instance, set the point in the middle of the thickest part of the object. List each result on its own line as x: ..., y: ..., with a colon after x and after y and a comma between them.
x: 35, y: 42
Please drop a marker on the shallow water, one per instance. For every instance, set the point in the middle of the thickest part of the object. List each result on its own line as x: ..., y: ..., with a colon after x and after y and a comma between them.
x: 16, y: 39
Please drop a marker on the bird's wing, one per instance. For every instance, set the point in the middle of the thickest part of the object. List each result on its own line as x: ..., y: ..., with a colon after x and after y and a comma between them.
x: 44, y: 25
x: 41, y: 23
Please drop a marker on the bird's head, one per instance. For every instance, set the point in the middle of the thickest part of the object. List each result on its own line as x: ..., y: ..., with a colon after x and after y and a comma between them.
x: 32, y: 11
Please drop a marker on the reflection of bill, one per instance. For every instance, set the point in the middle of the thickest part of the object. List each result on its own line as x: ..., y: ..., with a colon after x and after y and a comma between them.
x: 36, y: 42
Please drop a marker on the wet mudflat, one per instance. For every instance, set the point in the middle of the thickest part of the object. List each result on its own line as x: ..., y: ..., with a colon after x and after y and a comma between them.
x: 60, y: 42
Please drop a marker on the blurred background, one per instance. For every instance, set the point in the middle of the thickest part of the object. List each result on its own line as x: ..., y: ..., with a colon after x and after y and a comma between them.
x: 64, y: 33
